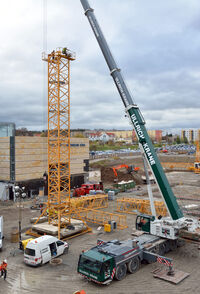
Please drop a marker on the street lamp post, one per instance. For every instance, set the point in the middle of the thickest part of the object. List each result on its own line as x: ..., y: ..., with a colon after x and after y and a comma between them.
x: 20, y: 194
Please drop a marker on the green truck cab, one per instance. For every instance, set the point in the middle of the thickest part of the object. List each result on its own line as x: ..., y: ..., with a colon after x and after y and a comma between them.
x: 96, y: 266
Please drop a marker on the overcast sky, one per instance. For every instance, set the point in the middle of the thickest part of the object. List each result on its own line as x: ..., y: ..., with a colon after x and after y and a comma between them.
x: 155, y: 43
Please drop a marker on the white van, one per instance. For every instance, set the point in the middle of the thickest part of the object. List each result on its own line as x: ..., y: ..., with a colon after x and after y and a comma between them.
x: 41, y: 250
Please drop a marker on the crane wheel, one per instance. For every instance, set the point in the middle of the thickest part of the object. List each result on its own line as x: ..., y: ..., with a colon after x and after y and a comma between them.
x: 162, y: 249
x: 120, y: 272
x: 133, y: 265
x: 173, y: 245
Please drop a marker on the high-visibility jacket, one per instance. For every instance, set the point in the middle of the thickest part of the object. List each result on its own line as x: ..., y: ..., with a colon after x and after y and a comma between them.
x: 4, y: 266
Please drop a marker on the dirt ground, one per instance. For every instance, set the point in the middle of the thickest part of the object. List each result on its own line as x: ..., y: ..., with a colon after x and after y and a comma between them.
x: 64, y: 278
x: 107, y: 174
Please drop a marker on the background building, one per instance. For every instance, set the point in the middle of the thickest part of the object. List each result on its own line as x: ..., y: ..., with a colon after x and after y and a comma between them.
x: 106, y: 135
x: 23, y: 159
x: 192, y: 135
x: 101, y: 136
x: 155, y: 135
x: 123, y: 135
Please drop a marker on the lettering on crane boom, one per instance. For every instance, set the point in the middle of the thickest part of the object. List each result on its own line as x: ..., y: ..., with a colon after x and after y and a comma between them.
x: 123, y: 94
x: 93, y: 26
x: 137, y: 126
x: 141, y: 136
x: 149, y: 154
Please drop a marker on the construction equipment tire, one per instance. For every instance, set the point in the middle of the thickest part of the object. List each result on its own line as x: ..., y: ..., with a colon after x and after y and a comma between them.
x: 66, y: 251
x: 173, y: 245
x: 120, y: 272
x: 162, y: 249
x: 133, y: 265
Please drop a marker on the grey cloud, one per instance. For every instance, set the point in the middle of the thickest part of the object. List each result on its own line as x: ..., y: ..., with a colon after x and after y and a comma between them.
x: 155, y: 43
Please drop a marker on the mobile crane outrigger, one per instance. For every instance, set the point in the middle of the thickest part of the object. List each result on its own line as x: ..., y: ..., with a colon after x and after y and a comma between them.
x: 168, y: 229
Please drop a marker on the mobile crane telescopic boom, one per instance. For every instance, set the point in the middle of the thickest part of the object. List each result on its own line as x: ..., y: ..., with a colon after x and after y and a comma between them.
x: 135, y: 117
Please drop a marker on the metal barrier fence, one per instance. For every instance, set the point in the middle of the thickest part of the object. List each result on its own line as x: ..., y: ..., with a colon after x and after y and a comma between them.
x: 134, y: 205
x: 100, y: 217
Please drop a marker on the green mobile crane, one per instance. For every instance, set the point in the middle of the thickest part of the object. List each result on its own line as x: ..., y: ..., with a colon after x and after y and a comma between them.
x: 169, y: 227
x: 113, y: 258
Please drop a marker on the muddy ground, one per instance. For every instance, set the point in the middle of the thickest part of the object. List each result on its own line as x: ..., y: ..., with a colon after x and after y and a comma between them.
x: 64, y: 279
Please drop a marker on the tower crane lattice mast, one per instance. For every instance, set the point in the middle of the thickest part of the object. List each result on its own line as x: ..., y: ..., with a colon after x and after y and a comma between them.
x: 59, y: 136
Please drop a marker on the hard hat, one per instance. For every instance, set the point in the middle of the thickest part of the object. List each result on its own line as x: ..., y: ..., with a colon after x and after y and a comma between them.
x: 5, y: 261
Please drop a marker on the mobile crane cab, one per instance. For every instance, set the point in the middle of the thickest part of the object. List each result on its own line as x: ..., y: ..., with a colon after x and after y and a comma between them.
x: 143, y: 222
x: 96, y: 266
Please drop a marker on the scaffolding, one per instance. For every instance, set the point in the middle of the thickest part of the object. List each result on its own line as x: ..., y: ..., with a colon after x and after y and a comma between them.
x: 100, y: 217
x: 90, y: 202
x: 134, y: 205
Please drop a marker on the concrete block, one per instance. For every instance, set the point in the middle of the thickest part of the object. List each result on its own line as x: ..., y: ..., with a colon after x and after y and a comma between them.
x: 53, y: 230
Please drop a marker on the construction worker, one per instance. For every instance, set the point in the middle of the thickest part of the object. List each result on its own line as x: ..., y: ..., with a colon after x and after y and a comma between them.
x: 4, y: 269
x: 41, y: 208
x: 64, y: 51
x: 53, y: 54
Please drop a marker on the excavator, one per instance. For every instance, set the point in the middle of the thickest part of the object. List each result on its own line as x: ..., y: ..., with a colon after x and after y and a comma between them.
x: 175, y: 224
x: 130, y: 168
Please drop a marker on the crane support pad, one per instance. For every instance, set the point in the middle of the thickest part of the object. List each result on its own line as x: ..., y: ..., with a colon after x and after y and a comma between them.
x: 175, y: 279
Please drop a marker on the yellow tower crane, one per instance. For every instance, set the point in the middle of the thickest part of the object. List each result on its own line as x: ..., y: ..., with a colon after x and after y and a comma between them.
x: 59, y: 136
x: 59, y: 207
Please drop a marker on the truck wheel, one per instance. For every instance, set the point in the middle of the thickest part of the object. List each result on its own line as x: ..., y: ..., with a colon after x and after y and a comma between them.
x: 133, y: 265
x: 161, y: 249
x: 173, y: 245
x: 180, y: 243
x: 65, y: 250
x: 120, y: 272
